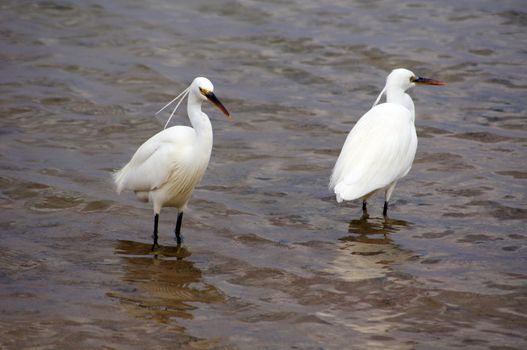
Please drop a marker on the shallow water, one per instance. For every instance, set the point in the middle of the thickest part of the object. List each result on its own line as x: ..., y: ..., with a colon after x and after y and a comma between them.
x: 270, y: 261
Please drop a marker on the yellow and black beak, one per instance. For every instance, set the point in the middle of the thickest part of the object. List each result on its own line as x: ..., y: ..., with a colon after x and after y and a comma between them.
x: 212, y: 98
x: 427, y: 81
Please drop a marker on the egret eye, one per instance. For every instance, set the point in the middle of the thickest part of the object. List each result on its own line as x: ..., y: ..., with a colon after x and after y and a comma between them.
x: 413, y: 79
x: 203, y: 91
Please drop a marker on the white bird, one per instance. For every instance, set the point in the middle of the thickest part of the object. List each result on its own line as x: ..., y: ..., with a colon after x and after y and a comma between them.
x: 165, y: 169
x: 380, y: 149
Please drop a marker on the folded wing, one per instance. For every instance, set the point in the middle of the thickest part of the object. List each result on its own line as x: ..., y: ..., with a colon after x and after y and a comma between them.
x: 155, y: 161
x: 379, y: 150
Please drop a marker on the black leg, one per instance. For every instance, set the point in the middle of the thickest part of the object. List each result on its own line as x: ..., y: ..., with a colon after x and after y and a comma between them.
x: 385, y: 210
x: 154, y: 236
x: 178, y: 228
x: 365, y: 215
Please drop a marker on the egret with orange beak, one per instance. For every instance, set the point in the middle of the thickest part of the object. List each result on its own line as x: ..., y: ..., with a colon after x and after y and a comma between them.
x: 165, y: 169
x: 380, y: 149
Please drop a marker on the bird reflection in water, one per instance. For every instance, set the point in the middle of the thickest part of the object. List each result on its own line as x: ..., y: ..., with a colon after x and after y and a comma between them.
x: 163, y: 286
x: 368, y: 230
x: 368, y: 251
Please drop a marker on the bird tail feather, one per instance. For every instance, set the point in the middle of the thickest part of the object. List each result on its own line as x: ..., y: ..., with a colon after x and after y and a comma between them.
x: 348, y: 192
x: 119, y: 179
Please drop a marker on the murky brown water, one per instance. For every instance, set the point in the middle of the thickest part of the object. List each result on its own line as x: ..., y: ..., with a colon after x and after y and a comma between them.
x: 270, y: 260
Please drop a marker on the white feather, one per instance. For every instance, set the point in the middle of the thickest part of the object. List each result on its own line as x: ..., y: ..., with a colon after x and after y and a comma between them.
x: 381, y: 147
x: 165, y: 169
x: 379, y: 150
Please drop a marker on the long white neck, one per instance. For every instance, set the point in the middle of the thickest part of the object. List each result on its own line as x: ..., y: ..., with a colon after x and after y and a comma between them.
x: 398, y: 96
x: 199, y: 120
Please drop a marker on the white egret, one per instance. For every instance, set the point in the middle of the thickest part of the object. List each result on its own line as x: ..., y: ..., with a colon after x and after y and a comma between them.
x: 165, y: 169
x: 380, y: 149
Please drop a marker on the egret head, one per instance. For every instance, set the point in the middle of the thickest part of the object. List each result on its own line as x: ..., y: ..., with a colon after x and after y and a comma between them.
x: 405, y: 79
x: 203, y: 88
x: 401, y: 79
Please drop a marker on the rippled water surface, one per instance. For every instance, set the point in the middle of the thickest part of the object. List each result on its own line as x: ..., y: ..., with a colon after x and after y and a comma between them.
x: 270, y: 260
